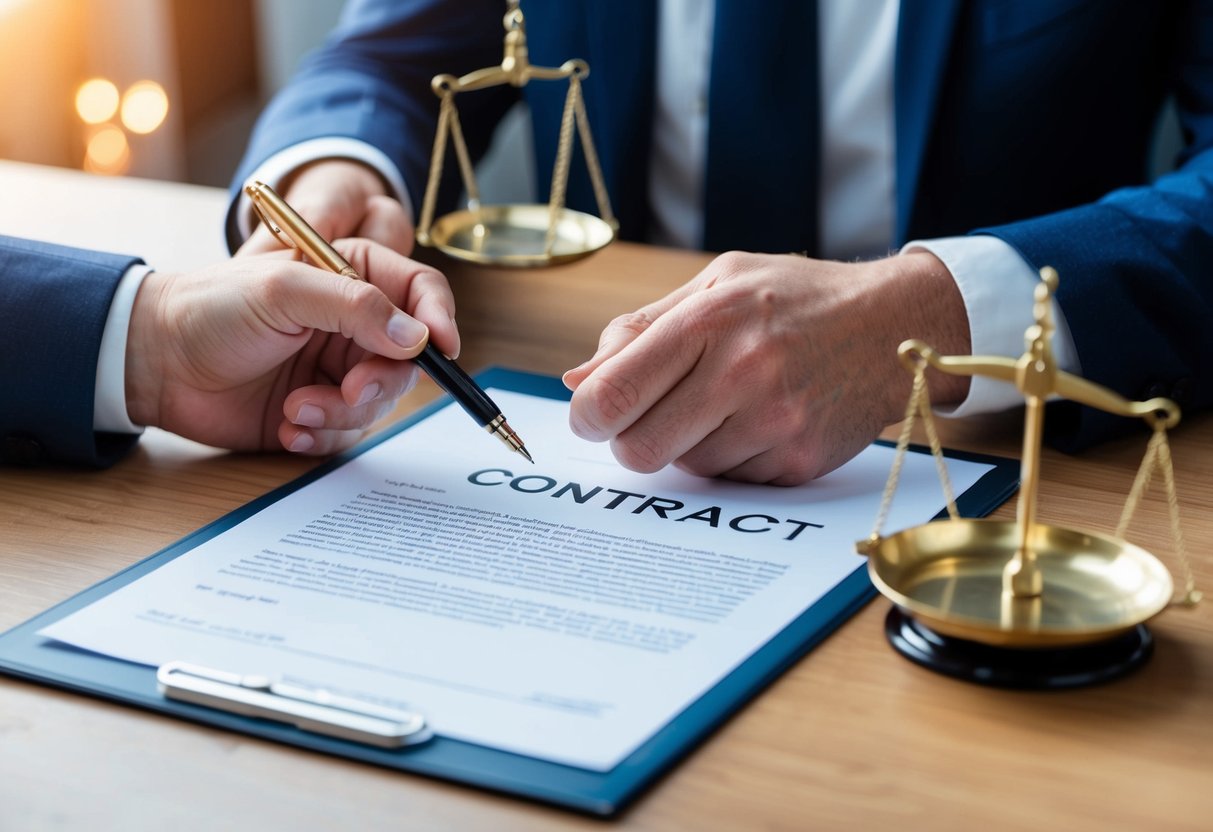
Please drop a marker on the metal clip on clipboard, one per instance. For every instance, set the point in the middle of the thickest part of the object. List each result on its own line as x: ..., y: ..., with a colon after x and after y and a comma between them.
x: 309, y: 709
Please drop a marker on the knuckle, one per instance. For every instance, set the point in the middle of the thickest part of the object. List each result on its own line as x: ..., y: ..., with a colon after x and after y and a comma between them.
x: 707, y: 313
x: 272, y: 297
x: 356, y: 250
x: 700, y: 465
x: 791, y: 416
x: 797, y: 466
x: 322, y: 215
x: 382, y: 202
x: 754, y: 359
x: 758, y: 369
x: 389, y: 211
x: 731, y: 264
x: 729, y: 311
x: 609, y: 397
x: 632, y: 323
x: 362, y: 299
x: 640, y: 452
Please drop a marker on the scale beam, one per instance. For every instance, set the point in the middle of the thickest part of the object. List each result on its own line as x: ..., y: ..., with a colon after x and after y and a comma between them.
x: 516, y: 235
x: 970, y: 593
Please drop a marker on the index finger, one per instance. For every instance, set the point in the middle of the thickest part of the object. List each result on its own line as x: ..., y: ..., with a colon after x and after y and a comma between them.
x: 625, y: 329
x: 624, y: 386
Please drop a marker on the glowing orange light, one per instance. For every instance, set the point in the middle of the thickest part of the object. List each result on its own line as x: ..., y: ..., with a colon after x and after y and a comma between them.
x: 96, y: 100
x: 144, y: 107
x: 107, y: 152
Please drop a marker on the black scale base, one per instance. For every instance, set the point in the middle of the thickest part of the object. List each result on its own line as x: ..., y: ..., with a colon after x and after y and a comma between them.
x: 1035, y: 668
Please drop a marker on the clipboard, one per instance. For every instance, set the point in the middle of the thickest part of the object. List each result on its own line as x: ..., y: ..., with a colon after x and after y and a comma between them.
x: 26, y: 655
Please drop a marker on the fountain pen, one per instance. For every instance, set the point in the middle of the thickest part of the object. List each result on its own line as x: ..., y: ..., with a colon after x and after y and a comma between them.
x: 292, y: 230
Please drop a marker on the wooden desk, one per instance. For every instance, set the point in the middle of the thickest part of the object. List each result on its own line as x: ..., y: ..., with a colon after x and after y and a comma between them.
x: 853, y: 737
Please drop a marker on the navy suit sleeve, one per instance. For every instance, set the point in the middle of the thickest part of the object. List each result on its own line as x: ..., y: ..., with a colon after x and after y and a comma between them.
x: 1136, y: 266
x: 371, y: 81
x: 53, y: 306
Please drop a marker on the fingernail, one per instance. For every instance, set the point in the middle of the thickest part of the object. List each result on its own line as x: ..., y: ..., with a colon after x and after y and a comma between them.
x: 405, y: 331
x: 309, y: 416
x: 567, y: 373
x: 454, y: 326
x: 302, y: 442
x: 369, y: 393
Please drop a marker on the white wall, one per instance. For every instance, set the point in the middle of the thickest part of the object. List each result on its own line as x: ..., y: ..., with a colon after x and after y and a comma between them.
x: 288, y: 29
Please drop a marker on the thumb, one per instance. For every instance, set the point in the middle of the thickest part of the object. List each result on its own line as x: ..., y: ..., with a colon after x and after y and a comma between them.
x: 300, y: 297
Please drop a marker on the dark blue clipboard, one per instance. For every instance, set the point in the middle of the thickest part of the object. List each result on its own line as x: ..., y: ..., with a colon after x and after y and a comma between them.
x: 26, y: 655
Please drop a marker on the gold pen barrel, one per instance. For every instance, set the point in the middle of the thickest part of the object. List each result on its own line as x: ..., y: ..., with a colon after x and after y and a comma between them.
x: 293, y: 230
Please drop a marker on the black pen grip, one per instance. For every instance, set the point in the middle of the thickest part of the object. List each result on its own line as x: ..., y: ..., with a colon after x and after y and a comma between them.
x: 463, y: 389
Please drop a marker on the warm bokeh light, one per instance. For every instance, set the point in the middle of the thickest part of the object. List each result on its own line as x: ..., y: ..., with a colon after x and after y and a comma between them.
x: 97, y: 100
x: 144, y: 107
x: 108, y: 152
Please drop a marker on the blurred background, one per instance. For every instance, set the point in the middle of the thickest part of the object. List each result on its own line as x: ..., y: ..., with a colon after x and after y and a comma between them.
x: 165, y: 89
x: 169, y: 89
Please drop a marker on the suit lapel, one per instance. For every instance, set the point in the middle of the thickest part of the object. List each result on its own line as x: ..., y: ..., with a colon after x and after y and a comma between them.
x: 924, y: 42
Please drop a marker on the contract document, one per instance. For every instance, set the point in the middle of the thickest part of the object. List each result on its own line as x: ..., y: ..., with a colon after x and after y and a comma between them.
x: 565, y: 610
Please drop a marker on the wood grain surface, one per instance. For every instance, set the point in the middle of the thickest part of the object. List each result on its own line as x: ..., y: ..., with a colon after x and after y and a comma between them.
x: 852, y: 737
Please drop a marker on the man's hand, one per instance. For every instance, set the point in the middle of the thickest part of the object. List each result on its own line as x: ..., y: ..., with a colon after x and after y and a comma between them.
x: 265, y: 352
x: 767, y: 368
x: 341, y: 198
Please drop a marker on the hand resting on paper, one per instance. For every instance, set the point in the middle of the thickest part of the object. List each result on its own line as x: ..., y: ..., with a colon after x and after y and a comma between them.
x: 265, y: 352
x: 767, y: 368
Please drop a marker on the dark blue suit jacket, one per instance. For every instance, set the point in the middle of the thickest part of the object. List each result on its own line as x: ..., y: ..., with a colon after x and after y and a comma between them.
x: 53, y: 305
x: 1031, y: 120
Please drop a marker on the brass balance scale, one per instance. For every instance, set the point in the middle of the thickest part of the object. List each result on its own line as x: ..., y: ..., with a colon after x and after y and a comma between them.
x: 516, y: 235
x: 1020, y: 603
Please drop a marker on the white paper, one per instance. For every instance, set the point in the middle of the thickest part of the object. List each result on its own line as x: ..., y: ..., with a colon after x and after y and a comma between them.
x: 565, y: 610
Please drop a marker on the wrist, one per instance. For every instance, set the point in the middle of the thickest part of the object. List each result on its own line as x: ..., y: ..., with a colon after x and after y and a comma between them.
x: 145, y: 346
x: 921, y: 300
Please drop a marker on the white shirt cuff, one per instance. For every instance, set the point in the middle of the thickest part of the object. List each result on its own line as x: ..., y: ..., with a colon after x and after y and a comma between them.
x: 276, y: 168
x: 109, y: 396
x: 997, y: 286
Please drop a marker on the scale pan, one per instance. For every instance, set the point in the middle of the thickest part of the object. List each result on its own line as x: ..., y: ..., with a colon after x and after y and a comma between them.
x: 516, y: 235
x: 948, y: 575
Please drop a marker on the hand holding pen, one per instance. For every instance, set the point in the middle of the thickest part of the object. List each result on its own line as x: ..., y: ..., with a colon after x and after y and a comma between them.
x: 289, y: 227
x: 265, y: 353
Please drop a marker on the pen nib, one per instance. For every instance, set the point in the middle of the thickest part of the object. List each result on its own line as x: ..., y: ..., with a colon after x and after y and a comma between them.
x: 502, y: 430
